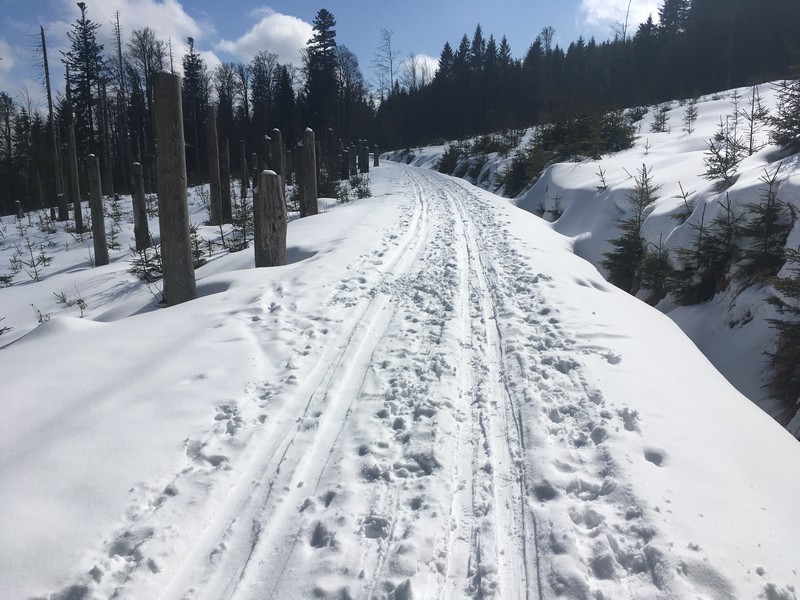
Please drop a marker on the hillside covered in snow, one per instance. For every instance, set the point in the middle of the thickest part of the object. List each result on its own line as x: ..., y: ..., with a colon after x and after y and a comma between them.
x: 436, y: 398
x: 587, y: 198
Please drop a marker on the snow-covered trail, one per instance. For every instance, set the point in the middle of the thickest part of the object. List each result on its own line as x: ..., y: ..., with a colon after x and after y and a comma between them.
x: 456, y: 411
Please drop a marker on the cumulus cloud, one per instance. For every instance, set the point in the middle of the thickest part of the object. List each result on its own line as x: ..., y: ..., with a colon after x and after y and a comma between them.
x: 603, y: 13
x: 284, y: 35
x: 167, y: 18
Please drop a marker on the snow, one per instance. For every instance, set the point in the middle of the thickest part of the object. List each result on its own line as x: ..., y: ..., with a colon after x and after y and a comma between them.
x: 733, y: 329
x: 436, y: 398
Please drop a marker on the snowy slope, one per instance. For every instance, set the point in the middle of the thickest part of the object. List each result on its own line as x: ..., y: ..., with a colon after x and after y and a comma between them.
x: 438, y: 399
x: 732, y: 330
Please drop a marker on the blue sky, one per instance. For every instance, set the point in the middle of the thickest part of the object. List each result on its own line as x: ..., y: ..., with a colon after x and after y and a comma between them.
x: 226, y: 31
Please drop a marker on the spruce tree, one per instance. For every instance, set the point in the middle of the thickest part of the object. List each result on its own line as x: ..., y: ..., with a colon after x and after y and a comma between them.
x: 320, y: 70
x: 786, y: 122
x: 85, y: 61
x: 767, y: 227
x: 784, y: 384
x: 623, y: 261
x: 194, y: 98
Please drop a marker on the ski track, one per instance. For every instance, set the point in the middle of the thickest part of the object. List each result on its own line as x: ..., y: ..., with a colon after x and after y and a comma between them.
x: 448, y: 445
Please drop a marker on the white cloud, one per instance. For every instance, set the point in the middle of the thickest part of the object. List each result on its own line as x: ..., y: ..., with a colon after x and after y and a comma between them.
x: 167, y: 18
x: 284, y: 35
x: 6, y: 66
x: 603, y: 13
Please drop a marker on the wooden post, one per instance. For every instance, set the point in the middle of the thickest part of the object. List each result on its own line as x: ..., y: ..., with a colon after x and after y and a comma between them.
x: 245, y: 185
x: 353, y: 159
x: 173, y: 214
x: 360, y: 156
x: 20, y: 212
x: 269, y: 221
x: 365, y: 158
x: 375, y: 160
x: 289, y: 168
x: 344, y: 171
x: 215, y: 180
x: 96, y: 206
x: 141, y: 230
x: 308, y: 174
x: 75, y: 181
x: 276, y: 150
x: 268, y: 152
x: 225, y: 182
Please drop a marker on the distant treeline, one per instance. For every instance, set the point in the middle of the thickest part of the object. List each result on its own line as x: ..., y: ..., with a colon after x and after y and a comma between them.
x: 697, y: 46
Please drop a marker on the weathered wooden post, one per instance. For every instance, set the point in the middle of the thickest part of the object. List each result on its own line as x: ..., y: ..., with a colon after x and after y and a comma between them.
x: 268, y: 152
x: 289, y: 168
x: 20, y: 212
x: 308, y: 175
x: 52, y: 213
x: 344, y: 170
x: 353, y: 159
x: 141, y: 230
x: 245, y: 185
x: 225, y: 181
x: 365, y: 158
x: 360, y: 157
x: 269, y: 221
x: 96, y: 207
x: 75, y: 181
x: 215, y: 179
x: 276, y: 150
x: 376, y: 162
x: 173, y: 213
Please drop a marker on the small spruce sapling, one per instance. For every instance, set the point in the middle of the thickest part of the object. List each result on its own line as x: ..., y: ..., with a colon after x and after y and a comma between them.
x: 690, y: 114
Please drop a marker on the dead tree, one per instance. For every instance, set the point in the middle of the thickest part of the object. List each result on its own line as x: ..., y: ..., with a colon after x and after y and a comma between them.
x: 141, y: 230
x: 96, y: 206
x: 245, y: 185
x: 225, y: 181
x: 215, y: 180
x: 269, y: 221
x: 173, y: 213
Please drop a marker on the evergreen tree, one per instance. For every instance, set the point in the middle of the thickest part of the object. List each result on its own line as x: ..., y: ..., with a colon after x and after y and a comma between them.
x: 766, y: 229
x: 194, y: 98
x: 786, y: 122
x: 85, y: 62
x: 784, y: 385
x: 321, y: 90
x: 623, y: 261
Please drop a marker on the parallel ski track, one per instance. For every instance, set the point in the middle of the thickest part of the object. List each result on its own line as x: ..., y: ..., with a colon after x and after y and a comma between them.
x: 288, y: 454
x: 498, y: 417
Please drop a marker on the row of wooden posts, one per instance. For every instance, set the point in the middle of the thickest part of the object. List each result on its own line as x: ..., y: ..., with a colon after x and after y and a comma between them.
x: 269, y: 206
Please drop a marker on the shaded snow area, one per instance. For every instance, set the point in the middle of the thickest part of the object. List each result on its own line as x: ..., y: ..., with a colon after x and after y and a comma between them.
x: 732, y: 329
x: 437, y: 399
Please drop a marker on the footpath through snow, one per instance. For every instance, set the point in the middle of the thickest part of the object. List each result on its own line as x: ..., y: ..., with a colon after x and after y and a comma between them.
x: 438, y: 401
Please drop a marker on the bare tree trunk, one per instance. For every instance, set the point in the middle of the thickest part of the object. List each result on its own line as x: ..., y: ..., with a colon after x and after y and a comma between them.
x: 308, y: 175
x: 243, y: 166
x: 270, y: 220
x: 63, y: 210
x: 96, y: 206
x: 215, y: 181
x: 173, y: 213
x: 344, y: 171
x: 141, y: 230
x: 225, y: 181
